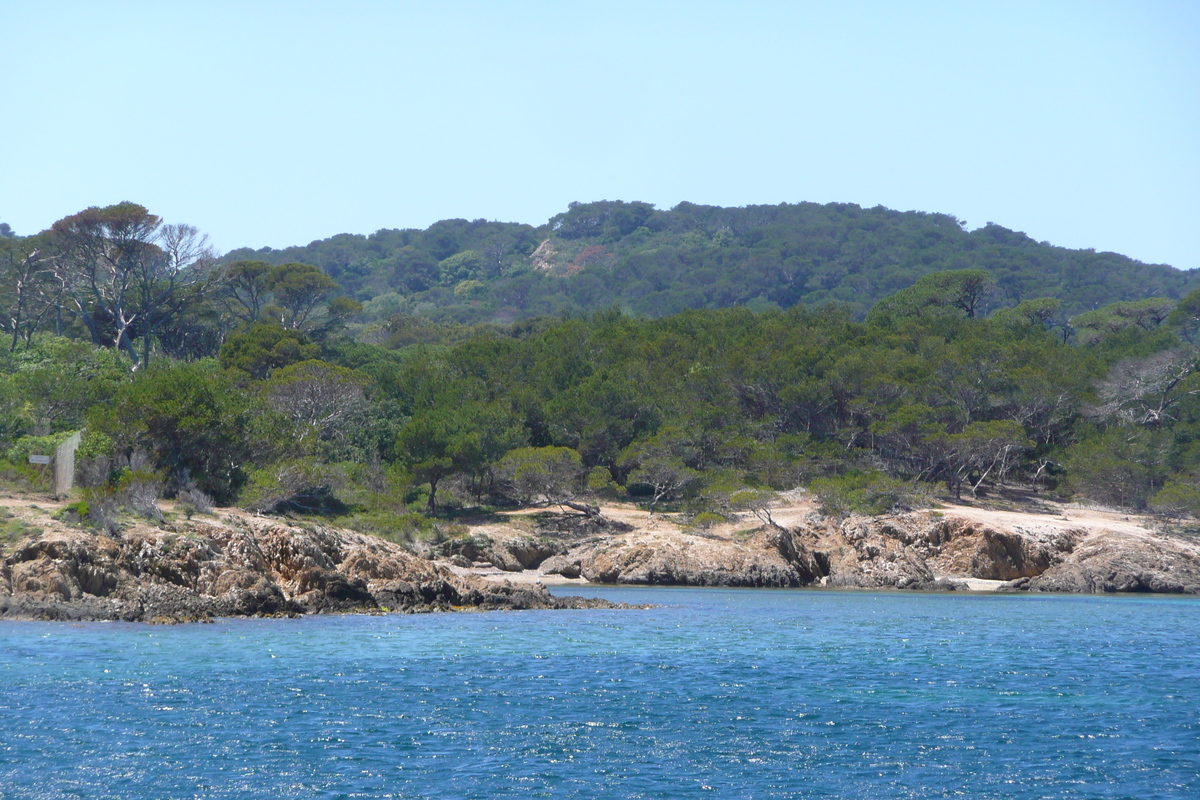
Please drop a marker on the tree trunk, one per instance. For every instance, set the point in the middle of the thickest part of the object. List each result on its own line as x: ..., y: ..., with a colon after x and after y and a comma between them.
x: 586, y: 508
x: 433, y: 482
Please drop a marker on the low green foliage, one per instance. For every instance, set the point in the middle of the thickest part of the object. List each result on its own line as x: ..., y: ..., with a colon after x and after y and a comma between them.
x: 866, y: 492
x: 304, y: 485
x: 398, y: 527
x: 21, y: 477
x: 26, y: 446
x: 1179, y: 497
x: 706, y: 520
x: 13, y: 529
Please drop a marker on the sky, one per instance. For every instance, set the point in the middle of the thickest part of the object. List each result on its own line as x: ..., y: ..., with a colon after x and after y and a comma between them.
x: 277, y: 123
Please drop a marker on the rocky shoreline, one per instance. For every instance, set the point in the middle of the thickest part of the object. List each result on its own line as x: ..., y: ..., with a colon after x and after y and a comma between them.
x: 237, y: 564
x: 927, y: 550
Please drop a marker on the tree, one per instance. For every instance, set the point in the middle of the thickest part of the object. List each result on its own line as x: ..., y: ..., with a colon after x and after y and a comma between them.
x: 1146, y: 314
x: 548, y: 475
x: 99, y: 252
x: 1185, y: 318
x: 244, y: 288
x: 119, y: 268
x: 1145, y: 391
x: 190, y: 419
x: 443, y: 441
x: 430, y: 445
x: 1041, y: 312
x: 184, y: 253
x: 261, y: 349
x: 964, y: 290
x: 28, y: 291
x: 298, y: 289
x: 659, y: 464
x: 981, y: 450
x: 62, y: 379
x: 316, y: 396
x: 1121, y: 466
x: 1178, y: 497
x: 467, y: 265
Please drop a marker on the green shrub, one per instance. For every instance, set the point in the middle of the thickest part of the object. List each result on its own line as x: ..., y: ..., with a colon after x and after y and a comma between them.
x: 707, y: 520
x: 868, y: 492
x: 26, y: 446
x: 20, y: 477
x: 1120, y: 467
x: 98, y: 510
x: 398, y: 527
x: 1179, y: 497
x: 600, y: 483
x: 303, y: 485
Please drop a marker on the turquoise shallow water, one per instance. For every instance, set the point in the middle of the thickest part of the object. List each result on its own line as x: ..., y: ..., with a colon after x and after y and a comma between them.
x: 718, y: 693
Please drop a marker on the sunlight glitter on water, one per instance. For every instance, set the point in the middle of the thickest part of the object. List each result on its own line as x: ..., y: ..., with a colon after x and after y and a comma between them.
x: 733, y: 692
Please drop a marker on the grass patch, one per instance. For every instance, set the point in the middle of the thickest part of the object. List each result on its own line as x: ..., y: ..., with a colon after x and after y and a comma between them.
x: 13, y: 530
x: 401, y: 528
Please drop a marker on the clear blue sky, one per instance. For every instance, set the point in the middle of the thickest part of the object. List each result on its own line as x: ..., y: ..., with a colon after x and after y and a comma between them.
x: 276, y: 123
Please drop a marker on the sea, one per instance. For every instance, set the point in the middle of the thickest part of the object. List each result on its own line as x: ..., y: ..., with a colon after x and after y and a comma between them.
x: 712, y: 693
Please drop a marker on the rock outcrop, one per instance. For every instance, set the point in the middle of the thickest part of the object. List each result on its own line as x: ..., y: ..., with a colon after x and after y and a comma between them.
x: 769, y: 558
x: 922, y: 550
x: 1121, y: 562
x: 237, y: 566
x: 926, y: 551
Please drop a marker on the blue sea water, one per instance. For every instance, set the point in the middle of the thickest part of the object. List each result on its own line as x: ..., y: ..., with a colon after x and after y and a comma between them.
x: 716, y: 693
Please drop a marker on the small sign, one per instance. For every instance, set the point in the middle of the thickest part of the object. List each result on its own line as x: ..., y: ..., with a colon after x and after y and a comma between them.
x: 39, y: 459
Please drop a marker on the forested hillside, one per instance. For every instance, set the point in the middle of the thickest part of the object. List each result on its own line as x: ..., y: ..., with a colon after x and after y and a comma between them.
x: 250, y: 382
x: 651, y: 262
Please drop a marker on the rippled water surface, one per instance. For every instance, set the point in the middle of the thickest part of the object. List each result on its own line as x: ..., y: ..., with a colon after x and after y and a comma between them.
x: 717, y: 693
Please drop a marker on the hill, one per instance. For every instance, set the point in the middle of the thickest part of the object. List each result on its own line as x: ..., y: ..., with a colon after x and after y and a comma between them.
x: 653, y: 262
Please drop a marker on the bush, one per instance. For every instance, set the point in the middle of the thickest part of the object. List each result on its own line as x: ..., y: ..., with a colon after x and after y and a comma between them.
x: 301, y: 485
x: 707, y: 520
x: 540, y: 474
x: 1120, y: 467
x: 98, y: 510
x: 1178, y: 498
x: 26, y: 446
x: 187, y: 418
x: 192, y: 500
x: 601, y: 484
x: 20, y: 477
x: 868, y: 492
x: 398, y: 527
x: 138, y: 490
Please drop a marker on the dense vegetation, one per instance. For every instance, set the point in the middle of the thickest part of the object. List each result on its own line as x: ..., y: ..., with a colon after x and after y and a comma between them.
x: 236, y: 381
x: 652, y: 263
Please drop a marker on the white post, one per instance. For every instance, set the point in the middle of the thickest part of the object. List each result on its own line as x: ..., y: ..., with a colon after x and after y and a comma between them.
x: 64, y: 465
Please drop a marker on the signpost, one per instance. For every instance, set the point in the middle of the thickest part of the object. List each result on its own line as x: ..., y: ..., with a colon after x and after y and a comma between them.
x: 64, y: 464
